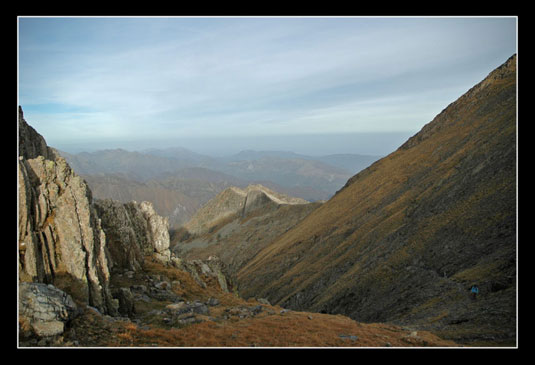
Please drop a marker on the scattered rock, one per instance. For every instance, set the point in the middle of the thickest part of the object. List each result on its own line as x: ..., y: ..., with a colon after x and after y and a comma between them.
x: 212, y: 302
x: 163, y: 294
x: 126, y: 301
x: 163, y: 285
x: 93, y: 310
x: 199, y: 308
x: 138, y: 288
x: 263, y: 301
x: 178, y: 308
x: 256, y: 310
x: 48, y: 329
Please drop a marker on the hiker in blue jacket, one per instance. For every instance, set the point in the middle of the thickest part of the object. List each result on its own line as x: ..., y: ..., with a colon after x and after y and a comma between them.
x: 474, y: 291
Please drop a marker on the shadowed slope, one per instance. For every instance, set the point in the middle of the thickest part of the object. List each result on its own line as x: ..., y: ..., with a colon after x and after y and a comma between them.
x: 406, y: 238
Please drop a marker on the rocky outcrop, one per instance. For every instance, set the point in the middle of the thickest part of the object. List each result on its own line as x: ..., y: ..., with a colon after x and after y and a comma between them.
x: 31, y: 143
x: 69, y: 245
x: 235, y: 201
x: 212, y: 267
x: 60, y: 237
x: 133, y: 230
x: 44, y: 310
x: 157, y: 231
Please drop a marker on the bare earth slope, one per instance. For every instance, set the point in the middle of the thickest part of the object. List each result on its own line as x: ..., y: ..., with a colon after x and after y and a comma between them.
x: 406, y: 238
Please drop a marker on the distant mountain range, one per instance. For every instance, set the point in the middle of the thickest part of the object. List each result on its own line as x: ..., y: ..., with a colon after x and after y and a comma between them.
x: 273, y: 166
x: 179, y: 181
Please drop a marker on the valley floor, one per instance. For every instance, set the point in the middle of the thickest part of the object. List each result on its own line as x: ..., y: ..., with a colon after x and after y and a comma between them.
x: 272, y: 327
x: 214, y: 318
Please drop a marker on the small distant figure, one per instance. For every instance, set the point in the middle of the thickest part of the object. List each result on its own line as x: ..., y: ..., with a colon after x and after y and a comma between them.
x: 474, y: 291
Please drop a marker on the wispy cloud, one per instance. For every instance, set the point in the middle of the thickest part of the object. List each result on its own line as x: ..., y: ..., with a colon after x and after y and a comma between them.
x: 90, y: 78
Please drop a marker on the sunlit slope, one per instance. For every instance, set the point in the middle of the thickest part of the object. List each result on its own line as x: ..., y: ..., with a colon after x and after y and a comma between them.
x: 406, y: 238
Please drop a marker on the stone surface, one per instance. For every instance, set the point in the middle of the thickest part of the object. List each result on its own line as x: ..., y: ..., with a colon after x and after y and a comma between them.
x: 211, y: 267
x: 47, y: 329
x: 133, y: 230
x: 126, y: 301
x: 31, y: 143
x: 44, y: 309
x: 60, y: 237
x: 158, y: 231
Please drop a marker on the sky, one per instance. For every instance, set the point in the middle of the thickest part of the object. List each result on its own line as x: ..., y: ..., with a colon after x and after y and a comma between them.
x: 216, y: 85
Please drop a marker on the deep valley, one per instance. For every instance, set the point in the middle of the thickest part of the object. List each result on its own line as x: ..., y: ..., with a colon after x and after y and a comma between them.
x: 170, y: 248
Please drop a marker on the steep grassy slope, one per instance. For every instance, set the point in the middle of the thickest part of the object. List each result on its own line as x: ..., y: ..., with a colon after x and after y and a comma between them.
x: 237, y: 239
x: 406, y: 238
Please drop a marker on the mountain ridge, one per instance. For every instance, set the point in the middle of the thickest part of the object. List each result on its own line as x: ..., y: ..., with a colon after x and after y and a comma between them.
x: 407, y: 237
x: 308, y: 177
x: 236, y: 201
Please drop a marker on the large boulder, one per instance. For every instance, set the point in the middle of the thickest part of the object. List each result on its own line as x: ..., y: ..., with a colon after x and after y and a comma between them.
x: 44, y: 310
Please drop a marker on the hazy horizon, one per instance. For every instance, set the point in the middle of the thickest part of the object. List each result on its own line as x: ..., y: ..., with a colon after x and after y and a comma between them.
x: 373, y: 144
x: 320, y: 85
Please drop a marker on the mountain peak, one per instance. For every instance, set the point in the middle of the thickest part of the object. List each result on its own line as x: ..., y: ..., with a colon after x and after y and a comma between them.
x: 505, y: 73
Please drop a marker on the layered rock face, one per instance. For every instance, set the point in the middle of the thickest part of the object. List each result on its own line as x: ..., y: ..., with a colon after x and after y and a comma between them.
x: 44, y: 309
x: 60, y: 237
x: 133, y: 230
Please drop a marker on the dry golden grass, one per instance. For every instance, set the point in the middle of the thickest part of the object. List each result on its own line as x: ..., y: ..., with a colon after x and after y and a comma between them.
x: 293, y: 329
x: 271, y: 327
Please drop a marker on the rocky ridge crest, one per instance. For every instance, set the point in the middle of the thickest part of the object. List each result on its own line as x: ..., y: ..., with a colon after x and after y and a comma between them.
x: 234, y: 200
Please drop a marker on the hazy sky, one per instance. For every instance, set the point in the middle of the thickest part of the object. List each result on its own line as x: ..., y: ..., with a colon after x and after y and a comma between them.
x: 105, y: 82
